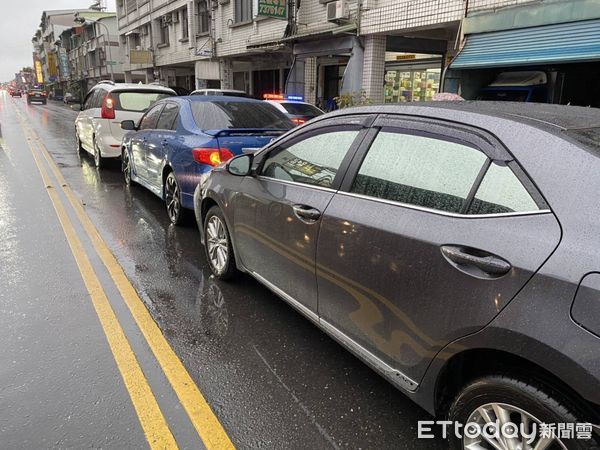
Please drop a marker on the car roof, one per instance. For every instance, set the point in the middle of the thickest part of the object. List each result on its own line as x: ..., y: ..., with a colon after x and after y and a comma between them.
x: 110, y: 86
x: 220, y: 90
x: 220, y: 98
x: 539, y: 115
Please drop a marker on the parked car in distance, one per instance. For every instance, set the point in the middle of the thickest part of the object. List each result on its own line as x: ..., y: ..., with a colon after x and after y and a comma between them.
x: 71, y: 97
x: 216, y: 92
x: 441, y: 244
x: 98, y: 125
x: 180, y: 90
x: 37, y: 95
x: 294, y: 106
x: 15, y: 93
x: 180, y: 139
x: 520, y: 86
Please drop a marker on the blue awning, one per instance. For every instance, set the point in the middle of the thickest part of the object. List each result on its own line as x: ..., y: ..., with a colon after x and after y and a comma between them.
x: 560, y: 43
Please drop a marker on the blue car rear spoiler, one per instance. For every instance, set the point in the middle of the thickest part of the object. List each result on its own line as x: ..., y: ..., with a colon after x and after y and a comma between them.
x: 248, y: 131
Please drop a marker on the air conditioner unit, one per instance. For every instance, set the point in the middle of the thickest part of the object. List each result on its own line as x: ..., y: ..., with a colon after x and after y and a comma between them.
x: 175, y: 17
x: 338, y: 11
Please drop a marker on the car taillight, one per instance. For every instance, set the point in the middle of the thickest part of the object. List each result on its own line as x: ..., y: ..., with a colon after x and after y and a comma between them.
x: 298, y: 120
x: 212, y: 156
x: 43, y: 94
x: 31, y: 94
x: 108, y: 108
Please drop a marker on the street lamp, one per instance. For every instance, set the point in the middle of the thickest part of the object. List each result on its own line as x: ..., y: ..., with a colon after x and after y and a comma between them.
x: 83, y: 21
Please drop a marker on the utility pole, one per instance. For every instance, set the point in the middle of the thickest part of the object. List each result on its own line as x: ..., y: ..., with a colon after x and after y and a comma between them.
x: 83, y: 21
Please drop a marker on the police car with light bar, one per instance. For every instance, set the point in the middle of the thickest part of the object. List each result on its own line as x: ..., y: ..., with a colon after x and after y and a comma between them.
x: 294, y: 107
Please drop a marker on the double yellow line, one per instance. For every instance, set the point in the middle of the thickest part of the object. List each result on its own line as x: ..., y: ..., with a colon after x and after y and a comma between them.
x: 156, y: 429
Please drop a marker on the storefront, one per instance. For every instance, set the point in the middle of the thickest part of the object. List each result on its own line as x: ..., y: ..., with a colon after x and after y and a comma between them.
x: 566, y: 54
x: 411, y: 77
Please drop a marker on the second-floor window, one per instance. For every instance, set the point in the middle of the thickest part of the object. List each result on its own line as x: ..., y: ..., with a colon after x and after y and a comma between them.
x: 164, y: 32
x: 183, y: 17
x: 243, y: 10
x: 203, y: 17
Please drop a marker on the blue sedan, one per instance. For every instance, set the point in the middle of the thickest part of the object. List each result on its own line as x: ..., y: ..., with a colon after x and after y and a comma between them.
x: 180, y: 139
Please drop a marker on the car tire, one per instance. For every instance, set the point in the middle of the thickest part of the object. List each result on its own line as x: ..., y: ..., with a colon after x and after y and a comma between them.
x: 217, y: 245
x: 509, y: 400
x: 126, y: 167
x: 172, y: 195
x: 98, y: 159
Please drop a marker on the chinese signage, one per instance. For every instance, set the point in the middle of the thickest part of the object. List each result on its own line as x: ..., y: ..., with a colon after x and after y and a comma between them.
x: 63, y: 60
x: 52, y: 65
x: 273, y: 8
x: 140, y: 57
x: 38, y: 71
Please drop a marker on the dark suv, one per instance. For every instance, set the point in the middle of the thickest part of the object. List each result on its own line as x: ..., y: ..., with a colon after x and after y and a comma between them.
x: 453, y: 247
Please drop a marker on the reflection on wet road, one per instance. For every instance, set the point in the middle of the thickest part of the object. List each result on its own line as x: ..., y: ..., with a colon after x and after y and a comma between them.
x: 272, y: 378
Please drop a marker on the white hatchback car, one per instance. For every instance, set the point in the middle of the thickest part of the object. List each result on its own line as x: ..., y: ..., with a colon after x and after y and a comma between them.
x: 98, y: 125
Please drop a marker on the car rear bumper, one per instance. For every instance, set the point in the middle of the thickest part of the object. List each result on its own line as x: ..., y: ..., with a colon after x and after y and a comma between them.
x: 110, y: 147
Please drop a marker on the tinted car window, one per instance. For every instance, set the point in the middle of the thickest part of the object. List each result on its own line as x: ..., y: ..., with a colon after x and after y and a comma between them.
x: 504, y: 95
x: 232, y: 114
x: 301, y: 109
x: 168, y: 117
x: 98, y: 97
x: 150, y: 119
x: 87, y: 104
x: 501, y: 192
x: 419, y: 170
x: 136, y: 101
x: 314, y: 160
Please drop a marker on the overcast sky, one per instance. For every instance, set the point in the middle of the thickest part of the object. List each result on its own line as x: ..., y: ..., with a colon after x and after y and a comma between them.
x: 18, y: 22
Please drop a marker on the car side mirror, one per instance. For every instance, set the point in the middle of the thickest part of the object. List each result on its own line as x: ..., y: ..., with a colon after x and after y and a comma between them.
x: 128, y: 125
x: 240, y: 165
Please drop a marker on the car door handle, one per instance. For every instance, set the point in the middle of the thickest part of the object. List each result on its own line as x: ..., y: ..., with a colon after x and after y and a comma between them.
x: 304, y: 212
x: 490, y: 264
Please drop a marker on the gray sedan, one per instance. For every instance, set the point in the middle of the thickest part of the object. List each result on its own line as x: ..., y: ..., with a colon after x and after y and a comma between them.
x: 452, y: 247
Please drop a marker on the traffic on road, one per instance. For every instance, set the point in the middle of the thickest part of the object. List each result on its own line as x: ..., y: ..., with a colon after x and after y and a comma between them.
x: 427, y: 241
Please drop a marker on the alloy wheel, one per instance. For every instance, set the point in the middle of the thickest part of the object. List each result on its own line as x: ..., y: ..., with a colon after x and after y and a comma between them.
x: 521, y: 426
x: 126, y: 166
x: 217, y: 245
x: 172, y: 198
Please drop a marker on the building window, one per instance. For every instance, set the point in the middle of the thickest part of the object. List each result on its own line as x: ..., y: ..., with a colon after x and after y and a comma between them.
x: 243, y: 10
x: 164, y: 32
x: 203, y: 18
x: 183, y: 17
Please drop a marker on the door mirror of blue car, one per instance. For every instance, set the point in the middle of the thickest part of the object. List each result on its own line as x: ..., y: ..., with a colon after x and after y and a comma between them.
x: 240, y: 165
x: 128, y: 125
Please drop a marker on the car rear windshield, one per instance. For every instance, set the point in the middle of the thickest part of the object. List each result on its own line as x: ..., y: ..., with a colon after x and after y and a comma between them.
x: 301, y: 109
x: 503, y: 95
x: 137, y: 101
x: 232, y: 114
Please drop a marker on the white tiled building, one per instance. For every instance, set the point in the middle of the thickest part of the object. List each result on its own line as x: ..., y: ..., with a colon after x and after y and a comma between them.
x: 393, y: 50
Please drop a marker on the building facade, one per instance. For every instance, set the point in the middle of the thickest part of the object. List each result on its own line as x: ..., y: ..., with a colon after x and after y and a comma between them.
x: 74, y: 56
x: 543, y: 51
x: 318, y: 48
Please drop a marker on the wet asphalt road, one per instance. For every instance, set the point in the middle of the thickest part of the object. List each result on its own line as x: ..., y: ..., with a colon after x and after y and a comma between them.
x: 272, y: 378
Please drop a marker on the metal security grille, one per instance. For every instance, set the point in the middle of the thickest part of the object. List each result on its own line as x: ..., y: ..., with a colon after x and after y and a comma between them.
x: 243, y: 10
x: 202, y: 17
x: 131, y: 5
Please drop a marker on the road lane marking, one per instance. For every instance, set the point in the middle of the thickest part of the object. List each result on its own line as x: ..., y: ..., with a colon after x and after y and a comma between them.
x: 153, y: 423
x: 202, y: 417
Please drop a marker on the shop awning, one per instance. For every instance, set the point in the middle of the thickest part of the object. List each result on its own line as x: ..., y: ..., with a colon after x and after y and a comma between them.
x: 548, y: 44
